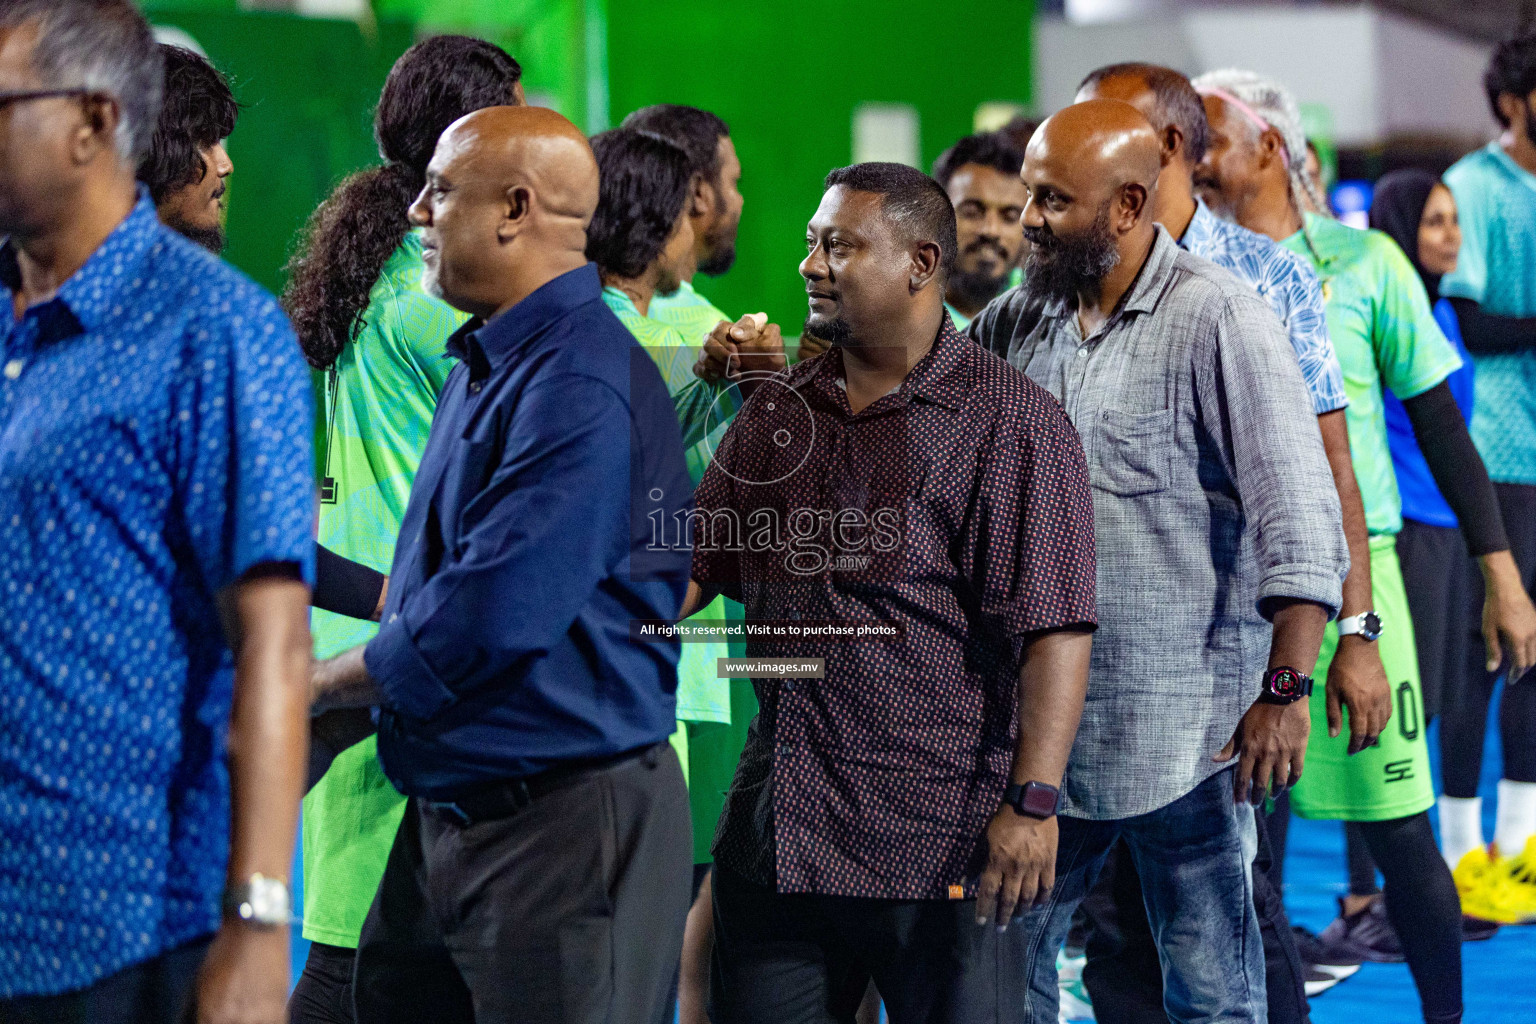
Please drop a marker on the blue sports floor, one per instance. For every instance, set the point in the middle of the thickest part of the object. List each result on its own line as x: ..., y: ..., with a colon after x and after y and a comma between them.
x: 1499, y: 975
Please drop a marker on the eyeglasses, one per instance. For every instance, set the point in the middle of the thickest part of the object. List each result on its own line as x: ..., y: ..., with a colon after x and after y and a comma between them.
x: 7, y: 98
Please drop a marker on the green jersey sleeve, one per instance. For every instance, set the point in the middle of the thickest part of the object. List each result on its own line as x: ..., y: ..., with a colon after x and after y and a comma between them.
x: 1412, y: 354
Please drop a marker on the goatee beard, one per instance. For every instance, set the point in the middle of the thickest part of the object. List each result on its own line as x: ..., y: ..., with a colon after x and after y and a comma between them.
x: 832, y: 330
x: 1060, y: 268
x: 720, y: 259
x: 212, y: 239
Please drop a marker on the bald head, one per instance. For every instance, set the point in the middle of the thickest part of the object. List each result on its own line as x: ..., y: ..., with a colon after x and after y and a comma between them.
x: 1091, y: 170
x: 509, y: 194
x: 1108, y: 140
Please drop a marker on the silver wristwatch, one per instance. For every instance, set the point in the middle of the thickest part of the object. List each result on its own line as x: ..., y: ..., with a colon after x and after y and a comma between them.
x: 1367, y: 625
x: 261, y: 902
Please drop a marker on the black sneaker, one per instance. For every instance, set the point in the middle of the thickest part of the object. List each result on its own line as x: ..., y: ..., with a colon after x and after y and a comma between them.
x: 1335, y: 962
x: 1366, y: 933
x: 1317, y: 982
x: 1475, y: 929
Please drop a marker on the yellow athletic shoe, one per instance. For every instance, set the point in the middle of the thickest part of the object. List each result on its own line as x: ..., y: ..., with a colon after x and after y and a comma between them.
x: 1521, y: 886
x: 1488, y: 890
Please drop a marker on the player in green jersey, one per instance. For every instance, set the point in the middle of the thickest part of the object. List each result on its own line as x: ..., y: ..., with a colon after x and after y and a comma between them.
x: 1385, y: 336
x: 376, y: 340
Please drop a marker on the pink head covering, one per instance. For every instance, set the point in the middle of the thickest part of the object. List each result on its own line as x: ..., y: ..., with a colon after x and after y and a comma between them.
x: 1248, y: 112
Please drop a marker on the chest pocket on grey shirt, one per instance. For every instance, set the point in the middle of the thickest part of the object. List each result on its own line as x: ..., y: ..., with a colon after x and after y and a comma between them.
x: 1133, y: 452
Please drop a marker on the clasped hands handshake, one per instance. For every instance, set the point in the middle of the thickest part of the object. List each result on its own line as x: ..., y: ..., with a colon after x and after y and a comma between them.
x: 741, y: 351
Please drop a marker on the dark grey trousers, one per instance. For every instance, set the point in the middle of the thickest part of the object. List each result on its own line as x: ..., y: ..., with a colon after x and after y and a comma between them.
x: 570, y: 910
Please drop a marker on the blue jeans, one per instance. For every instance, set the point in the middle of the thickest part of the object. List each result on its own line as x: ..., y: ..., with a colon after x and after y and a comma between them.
x: 1194, y: 857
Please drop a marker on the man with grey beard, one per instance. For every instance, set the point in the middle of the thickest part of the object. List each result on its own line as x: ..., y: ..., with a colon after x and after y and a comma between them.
x: 1211, y: 486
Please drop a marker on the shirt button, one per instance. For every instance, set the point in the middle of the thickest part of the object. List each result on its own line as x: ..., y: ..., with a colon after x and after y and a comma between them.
x: 475, y: 387
x: 13, y: 369
x: 1082, y: 353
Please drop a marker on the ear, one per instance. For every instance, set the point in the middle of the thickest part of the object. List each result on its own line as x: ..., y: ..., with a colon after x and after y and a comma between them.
x: 1173, y: 143
x: 1510, y: 105
x: 516, y: 212
x: 97, y: 129
x: 926, y: 258
x: 1133, y: 203
x: 1271, y: 147
x: 701, y: 202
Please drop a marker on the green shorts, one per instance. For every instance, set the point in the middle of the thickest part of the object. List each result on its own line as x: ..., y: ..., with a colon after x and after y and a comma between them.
x: 1391, y: 779
x: 710, y: 749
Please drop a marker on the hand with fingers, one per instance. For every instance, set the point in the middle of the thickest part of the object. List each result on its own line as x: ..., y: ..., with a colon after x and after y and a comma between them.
x: 750, y: 345
x: 1358, y: 683
x: 1270, y: 743
x: 1509, y: 620
x: 1021, y: 867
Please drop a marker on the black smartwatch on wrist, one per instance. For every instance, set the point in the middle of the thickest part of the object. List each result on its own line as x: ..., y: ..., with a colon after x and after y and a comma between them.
x: 1033, y: 799
x: 1285, y: 685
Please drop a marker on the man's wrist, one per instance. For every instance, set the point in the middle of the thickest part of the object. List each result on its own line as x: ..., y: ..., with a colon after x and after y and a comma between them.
x: 1284, y: 685
x: 1033, y: 799
x: 260, y: 901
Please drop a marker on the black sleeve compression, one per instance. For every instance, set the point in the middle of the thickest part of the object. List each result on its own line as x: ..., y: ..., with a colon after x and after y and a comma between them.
x: 344, y: 586
x: 1457, y: 468
x: 1487, y: 334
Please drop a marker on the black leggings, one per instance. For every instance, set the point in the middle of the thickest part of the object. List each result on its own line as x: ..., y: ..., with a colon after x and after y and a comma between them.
x: 1464, y: 719
x: 1423, y: 907
x: 1421, y: 904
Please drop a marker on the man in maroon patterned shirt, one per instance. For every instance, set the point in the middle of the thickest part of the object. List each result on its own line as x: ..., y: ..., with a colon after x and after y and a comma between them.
x: 905, y: 480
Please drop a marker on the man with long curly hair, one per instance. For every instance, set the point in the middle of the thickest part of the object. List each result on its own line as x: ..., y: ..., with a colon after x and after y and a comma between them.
x: 376, y: 340
x: 186, y: 167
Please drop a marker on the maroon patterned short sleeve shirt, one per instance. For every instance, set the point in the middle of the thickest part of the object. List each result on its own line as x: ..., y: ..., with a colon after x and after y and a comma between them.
x: 956, y: 509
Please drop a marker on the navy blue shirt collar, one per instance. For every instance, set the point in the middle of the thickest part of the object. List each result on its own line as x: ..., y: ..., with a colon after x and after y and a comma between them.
x: 92, y: 294
x: 486, y: 345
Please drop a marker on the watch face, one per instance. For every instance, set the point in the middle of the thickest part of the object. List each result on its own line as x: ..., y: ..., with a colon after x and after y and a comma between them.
x: 1285, y: 683
x: 1039, y: 800
x: 1371, y: 626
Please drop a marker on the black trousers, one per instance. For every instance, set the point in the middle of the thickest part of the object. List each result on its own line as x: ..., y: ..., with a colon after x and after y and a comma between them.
x: 1438, y: 582
x: 1123, y: 975
x: 805, y: 959
x: 323, y: 994
x: 1464, y: 722
x: 570, y: 910
x: 157, y: 991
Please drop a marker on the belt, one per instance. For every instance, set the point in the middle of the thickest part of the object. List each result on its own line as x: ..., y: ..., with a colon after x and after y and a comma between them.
x: 504, y: 799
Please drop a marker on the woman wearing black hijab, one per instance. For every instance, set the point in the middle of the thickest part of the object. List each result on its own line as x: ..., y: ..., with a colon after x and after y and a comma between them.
x: 1418, y: 211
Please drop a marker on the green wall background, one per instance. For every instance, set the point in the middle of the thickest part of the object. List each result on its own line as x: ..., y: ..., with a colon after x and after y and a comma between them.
x: 786, y: 76
x: 308, y: 88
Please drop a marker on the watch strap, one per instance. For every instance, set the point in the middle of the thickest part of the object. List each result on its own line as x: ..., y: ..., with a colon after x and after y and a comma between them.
x: 1366, y: 624
x: 1285, y: 685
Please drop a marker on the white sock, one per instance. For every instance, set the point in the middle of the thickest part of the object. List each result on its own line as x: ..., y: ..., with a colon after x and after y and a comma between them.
x: 1517, y: 817
x: 1461, y: 827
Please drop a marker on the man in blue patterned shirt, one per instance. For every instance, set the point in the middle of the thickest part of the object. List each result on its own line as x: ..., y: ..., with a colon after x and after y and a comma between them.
x: 156, y: 502
x: 1121, y: 972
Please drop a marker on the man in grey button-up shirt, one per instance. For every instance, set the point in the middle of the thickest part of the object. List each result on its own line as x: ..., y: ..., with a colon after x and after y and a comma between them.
x: 1215, y: 510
